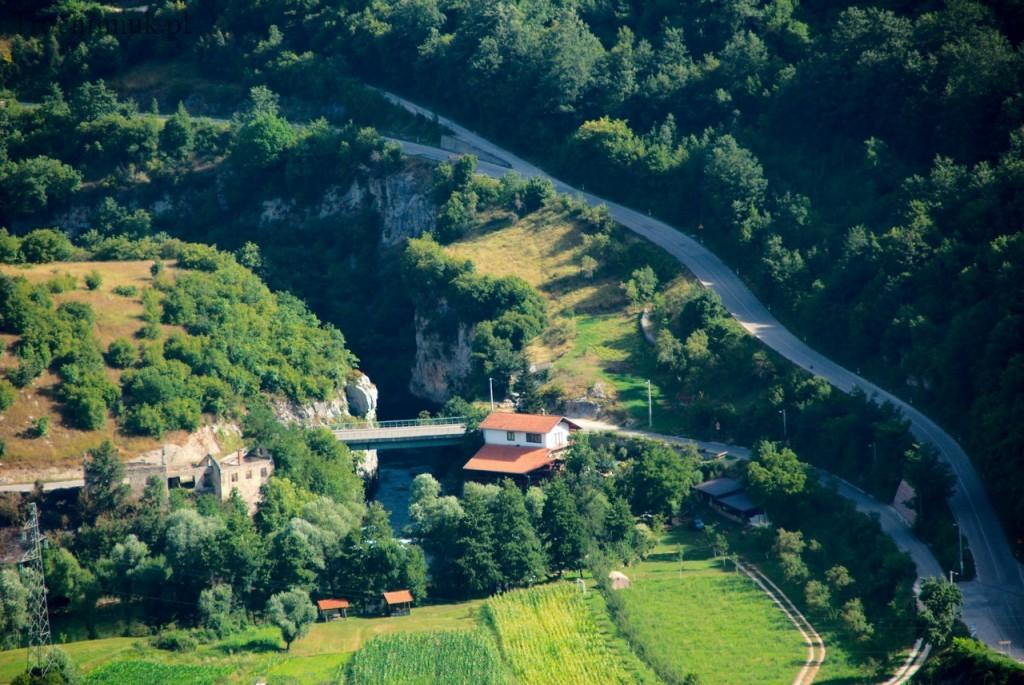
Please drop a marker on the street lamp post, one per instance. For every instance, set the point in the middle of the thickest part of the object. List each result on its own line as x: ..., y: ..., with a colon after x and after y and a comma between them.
x: 490, y: 384
x: 650, y: 406
x: 785, y: 428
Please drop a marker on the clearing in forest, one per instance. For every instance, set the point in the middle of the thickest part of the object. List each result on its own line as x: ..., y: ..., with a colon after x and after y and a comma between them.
x: 594, y: 334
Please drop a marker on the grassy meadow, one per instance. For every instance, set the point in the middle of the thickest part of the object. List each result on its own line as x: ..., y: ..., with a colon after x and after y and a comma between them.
x: 699, y: 616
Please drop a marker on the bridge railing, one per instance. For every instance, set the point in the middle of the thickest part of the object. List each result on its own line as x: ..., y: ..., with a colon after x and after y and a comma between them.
x: 404, y: 423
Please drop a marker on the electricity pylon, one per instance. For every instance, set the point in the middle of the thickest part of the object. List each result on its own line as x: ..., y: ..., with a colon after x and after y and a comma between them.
x: 40, y: 656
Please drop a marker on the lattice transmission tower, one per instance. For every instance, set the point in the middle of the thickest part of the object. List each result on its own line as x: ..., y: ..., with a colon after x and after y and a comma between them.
x: 40, y: 656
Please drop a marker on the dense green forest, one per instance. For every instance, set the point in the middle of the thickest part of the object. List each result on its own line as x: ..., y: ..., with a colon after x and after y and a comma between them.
x: 859, y: 164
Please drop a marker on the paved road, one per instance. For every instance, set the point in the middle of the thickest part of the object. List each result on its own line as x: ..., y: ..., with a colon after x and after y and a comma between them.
x: 994, y: 603
x: 48, y: 486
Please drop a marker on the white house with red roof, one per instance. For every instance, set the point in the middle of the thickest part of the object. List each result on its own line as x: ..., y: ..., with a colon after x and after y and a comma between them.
x: 520, y: 444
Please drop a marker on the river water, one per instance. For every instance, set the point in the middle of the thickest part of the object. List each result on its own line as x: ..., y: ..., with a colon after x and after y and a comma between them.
x: 397, y: 469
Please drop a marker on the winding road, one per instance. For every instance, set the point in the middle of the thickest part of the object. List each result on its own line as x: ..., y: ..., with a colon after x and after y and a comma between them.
x: 994, y: 601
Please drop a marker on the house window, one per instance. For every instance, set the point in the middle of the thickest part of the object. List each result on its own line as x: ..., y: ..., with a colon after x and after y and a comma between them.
x: 234, y: 477
x: 534, y: 438
x: 263, y: 472
x: 510, y: 436
x: 248, y: 474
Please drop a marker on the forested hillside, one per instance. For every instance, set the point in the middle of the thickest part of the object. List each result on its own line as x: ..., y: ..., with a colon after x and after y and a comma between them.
x: 202, y: 337
x: 860, y: 164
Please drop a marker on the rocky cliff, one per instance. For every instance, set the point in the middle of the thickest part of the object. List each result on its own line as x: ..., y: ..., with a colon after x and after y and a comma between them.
x: 401, y: 200
x: 443, y: 355
x: 357, y: 400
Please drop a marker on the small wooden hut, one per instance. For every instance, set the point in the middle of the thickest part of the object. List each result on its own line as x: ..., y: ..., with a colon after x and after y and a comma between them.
x: 331, y: 609
x: 399, y: 602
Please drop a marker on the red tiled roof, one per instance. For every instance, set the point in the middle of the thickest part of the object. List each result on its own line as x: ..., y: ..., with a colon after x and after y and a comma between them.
x: 509, y: 459
x: 397, y: 596
x: 524, y: 423
x: 325, y: 604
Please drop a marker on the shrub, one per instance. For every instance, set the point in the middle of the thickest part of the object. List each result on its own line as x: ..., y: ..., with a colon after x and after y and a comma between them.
x: 45, y: 245
x: 40, y: 427
x: 93, y: 280
x: 125, y: 290
x: 62, y: 283
x: 122, y: 353
x: 151, y: 331
x: 176, y: 641
x: 26, y: 372
x: 10, y: 248
x: 7, y: 394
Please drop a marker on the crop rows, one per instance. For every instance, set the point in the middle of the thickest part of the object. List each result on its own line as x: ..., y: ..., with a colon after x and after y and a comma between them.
x: 152, y: 673
x: 452, y: 657
x: 548, y: 637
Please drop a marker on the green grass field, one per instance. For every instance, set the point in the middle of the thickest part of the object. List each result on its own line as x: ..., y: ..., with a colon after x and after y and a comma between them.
x: 696, y: 617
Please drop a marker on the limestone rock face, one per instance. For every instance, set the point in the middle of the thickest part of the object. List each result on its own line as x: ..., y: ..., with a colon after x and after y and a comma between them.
x: 362, y: 397
x: 591, y: 405
x: 443, y: 358
x: 401, y: 200
x: 366, y: 463
x: 320, y: 413
x: 582, y: 408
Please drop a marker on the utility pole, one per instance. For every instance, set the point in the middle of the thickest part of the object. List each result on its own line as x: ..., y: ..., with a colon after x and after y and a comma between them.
x: 40, y: 657
x: 785, y: 428
x: 490, y: 383
x: 960, y: 547
x: 650, y: 406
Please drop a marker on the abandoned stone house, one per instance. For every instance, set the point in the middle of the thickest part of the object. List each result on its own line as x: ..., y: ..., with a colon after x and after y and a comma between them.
x: 244, y: 471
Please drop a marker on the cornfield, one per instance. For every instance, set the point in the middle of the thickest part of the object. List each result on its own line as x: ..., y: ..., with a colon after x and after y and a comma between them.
x: 152, y: 673
x: 548, y: 637
x: 450, y: 658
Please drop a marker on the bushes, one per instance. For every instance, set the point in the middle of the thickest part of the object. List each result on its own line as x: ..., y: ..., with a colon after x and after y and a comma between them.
x: 61, y: 283
x: 968, y: 662
x: 7, y: 394
x: 176, y: 641
x: 45, y: 245
x: 122, y: 353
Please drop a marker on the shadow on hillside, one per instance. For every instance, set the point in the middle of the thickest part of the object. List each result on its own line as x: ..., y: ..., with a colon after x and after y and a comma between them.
x: 256, y: 645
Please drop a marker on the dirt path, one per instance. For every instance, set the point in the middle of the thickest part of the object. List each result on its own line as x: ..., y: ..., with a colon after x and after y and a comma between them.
x: 815, y: 645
